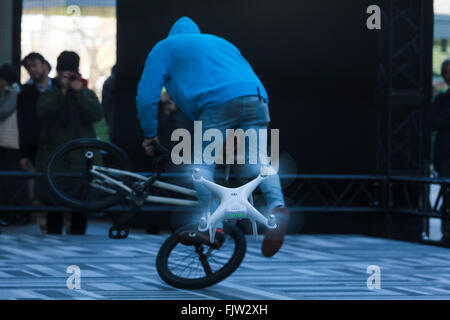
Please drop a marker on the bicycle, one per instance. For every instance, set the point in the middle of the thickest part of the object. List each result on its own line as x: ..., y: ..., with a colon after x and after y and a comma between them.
x: 92, y: 175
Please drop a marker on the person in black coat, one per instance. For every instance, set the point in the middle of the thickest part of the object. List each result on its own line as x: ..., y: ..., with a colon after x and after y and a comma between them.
x: 440, y: 121
x: 10, y: 188
x: 29, y: 125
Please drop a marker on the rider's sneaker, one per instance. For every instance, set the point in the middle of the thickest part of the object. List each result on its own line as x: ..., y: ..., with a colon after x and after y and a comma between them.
x: 193, y: 236
x: 274, y: 238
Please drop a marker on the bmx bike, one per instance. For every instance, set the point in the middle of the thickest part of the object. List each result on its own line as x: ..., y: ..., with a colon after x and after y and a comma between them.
x: 92, y: 175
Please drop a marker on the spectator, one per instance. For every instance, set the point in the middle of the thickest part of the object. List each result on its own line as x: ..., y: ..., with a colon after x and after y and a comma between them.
x: 108, y: 101
x: 67, y: 111
x: 441, y: 123
x: 29, y: 125
x: 9, y: 132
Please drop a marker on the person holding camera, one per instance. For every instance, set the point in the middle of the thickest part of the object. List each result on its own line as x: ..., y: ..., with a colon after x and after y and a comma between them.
x: 67, y: 111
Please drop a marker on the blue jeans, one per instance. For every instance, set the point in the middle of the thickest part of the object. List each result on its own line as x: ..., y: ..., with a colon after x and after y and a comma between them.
x: 247, y: 112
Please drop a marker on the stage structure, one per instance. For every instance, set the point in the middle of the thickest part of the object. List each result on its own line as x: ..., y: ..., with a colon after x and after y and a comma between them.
x: 353, y: 100
x: 404, y: 87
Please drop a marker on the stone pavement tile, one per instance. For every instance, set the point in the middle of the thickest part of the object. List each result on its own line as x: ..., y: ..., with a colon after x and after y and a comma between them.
x: 33, y: 266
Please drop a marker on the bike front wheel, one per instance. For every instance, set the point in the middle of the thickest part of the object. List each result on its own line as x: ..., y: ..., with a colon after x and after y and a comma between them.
x: 200, y: 265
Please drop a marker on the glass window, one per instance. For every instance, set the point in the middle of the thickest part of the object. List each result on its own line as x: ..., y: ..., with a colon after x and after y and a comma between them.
x: 87, y: 27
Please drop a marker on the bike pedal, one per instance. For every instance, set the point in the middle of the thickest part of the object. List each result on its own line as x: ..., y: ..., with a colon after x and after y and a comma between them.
x: 118, y: 232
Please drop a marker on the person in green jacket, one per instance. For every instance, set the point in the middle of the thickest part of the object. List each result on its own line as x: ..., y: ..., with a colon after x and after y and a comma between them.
x: 67, y: 111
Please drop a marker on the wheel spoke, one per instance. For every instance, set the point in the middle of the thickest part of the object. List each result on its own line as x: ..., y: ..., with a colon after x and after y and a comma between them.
x: 197, y: 264
x: 206, y: 267
x: 203, y: 260
x: 188, y: 259
x: 84, y: 191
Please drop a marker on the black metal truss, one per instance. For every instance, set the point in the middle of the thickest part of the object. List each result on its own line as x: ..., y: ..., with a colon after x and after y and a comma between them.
x: 314, y: 193
x: 308, y: 192
x: 400, y: 92
x: 401, y: 145
x: 413, y: 196
x: 401, y: 50
x: 335, y: 193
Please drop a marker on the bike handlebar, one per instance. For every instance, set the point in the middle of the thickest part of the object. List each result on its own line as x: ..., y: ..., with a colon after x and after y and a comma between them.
x: 160, y: 158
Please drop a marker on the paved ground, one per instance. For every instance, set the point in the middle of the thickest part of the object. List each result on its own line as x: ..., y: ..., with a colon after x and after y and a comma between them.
x: 308, y: 267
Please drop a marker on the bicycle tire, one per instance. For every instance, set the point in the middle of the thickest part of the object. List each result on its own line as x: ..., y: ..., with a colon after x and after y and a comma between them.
x: 162, y: 260
x: 63, y: 149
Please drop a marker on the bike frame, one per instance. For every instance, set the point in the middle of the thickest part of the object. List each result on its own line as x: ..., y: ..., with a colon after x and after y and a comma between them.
x: 100, y: 171
x: 234, y: 202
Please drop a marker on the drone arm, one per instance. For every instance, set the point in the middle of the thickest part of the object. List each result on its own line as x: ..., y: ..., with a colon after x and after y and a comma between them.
x: 254, y: 214
x: 215, y: 189
x: 249, y: 187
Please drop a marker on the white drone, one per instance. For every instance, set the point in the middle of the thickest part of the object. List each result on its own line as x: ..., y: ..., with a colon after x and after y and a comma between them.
x: 234, y: 204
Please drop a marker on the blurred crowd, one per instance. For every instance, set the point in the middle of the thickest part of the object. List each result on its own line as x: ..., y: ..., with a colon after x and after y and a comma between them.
x: 36, y: 117
x: 43, y: 113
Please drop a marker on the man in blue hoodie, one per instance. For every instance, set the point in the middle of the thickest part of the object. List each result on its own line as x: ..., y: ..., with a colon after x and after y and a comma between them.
x: 209, y: 80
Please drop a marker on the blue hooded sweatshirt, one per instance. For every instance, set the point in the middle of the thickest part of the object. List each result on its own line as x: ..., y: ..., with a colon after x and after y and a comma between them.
x: 198, y: 70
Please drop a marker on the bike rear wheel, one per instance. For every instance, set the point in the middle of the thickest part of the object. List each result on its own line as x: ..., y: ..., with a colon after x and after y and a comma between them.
x: 68, y: 175
x: 200, y: 265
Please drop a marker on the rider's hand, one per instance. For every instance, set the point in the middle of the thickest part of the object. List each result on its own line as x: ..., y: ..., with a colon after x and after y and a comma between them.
x: 148, y: 147
x: 167, y: 104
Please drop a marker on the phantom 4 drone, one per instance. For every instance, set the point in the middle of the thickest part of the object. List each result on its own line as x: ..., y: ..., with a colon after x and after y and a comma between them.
x: 234, y: 204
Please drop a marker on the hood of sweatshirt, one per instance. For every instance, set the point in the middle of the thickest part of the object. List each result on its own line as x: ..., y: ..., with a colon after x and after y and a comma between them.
x: 184, y: 25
